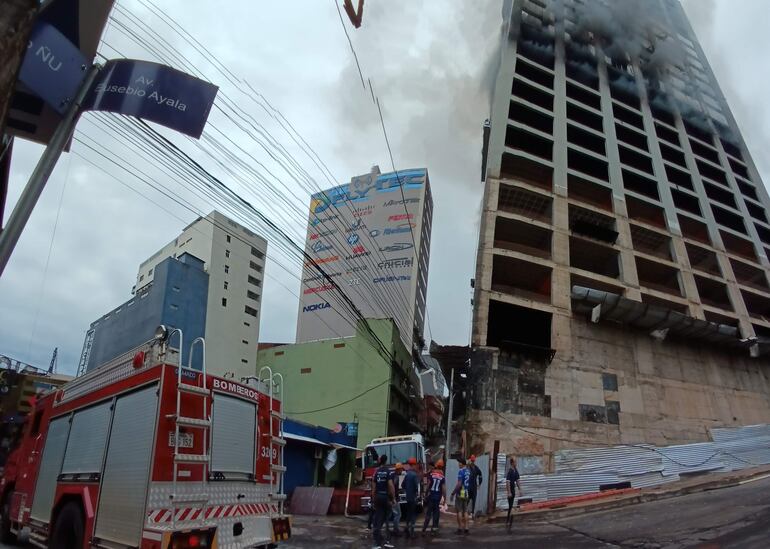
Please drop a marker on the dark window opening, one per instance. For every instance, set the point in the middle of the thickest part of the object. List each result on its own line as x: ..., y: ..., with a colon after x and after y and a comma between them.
x: 661, y: 110
x: 640, y: 184
x: 519, y: 236
x: 721, y: 319
x: 628, y: 116
x: 656, y: 301
x: 713, y: 293
x: 756, y: 211
x: 593, y: 257
x: 732, y: 149
x: 591, y: 193
x: 651, y: 242
x: 698, y: 132
x: 250, y: 310
x: 592, y: 224
x: 585, y: 139
x: 517, y: 167
x: 728, y: 219
x: 658, y: 276
x: 609, y: 382
x: 516, y: 138
x: 629, y: 157
x: 720, y: 194
x: 679, y: 177
x: 581, y: 72
x: 704, y: 152
x: 254, y: 281
x: 585, y: 282
x: 712, y: 172
x: 703, y: 259
x: 623, y: 88
x: 764, y: 234
x: 540, y: 54
x: 739, y: 246
x: 586, y: 164
x: 525, y: 203
x: 512, y: 323
x: 531, y: 72
x: 532, y: 94
x: 592, y: 413
x: 748, y: 190
x: 749, y: 275
x: 521, y: 278
x: 672, y: 155
x: 584, y: 96
x: 582, y: 116
x: 631, y: 137
x: 758, y: 306
x: 641, y: 210
x: 667, y: 135
x: 686, y: 202
x: 739, y: 168
x: 530, y: 117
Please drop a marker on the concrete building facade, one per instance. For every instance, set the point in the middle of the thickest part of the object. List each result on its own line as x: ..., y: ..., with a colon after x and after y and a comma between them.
x: 621, y: 290
x: 234, y: 258
x: 371, y: 238
x: 176, y: 297
x: 365, y: 379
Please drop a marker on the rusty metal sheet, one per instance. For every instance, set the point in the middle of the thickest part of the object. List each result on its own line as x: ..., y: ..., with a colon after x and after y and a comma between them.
x: 311, y: 500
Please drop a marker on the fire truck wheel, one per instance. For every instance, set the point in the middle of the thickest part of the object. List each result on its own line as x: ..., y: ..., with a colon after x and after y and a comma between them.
x: 68, y: 530
x: 5, y: 523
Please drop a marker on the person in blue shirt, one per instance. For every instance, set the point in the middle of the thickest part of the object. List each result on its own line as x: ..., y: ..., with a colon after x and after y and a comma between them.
x: 436, y: 496
x: 411, y: 485
x: 461, y: 494
x: 511, y: 478
x: 383, y: 496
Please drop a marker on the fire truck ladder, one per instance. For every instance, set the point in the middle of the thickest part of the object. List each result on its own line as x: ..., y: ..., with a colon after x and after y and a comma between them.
x: 274, y: 383
x: 202, y: 424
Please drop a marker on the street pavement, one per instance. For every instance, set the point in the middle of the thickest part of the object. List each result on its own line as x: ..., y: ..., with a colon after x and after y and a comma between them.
x: 728, y: 518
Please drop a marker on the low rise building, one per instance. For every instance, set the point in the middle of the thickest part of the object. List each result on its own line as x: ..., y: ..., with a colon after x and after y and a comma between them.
x: 367, y: 378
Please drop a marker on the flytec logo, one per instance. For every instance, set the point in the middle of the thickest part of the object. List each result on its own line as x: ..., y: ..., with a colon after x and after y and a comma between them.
x: 315, y: 307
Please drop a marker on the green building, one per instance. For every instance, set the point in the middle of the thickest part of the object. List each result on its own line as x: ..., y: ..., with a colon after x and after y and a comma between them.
x: 366, y: 379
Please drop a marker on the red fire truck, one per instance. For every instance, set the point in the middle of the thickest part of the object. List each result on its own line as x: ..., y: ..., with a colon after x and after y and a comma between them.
x: 398, y: 449
x: 143, y: 452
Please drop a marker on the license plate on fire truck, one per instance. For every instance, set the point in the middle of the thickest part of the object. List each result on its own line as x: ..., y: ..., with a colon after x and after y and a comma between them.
x: 185, y: 439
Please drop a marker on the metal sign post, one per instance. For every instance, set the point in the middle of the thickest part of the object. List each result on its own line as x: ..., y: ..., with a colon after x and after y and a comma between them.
x: 31, y: 193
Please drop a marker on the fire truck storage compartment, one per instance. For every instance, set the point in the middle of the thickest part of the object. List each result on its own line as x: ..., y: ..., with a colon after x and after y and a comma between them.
x: 50, y: 464
x: 234, y: 424
x: 127, y: 468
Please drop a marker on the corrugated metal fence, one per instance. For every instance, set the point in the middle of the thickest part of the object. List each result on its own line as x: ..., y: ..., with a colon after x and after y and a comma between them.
x: 582, y: 471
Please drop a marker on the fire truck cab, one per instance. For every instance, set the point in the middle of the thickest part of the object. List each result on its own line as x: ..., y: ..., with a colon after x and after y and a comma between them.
x: 398, y: 449
x: 142, y: 452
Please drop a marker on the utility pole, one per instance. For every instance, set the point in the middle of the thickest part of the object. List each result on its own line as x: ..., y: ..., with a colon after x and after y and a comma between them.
x: 16, y: 19
x: 449, y: 415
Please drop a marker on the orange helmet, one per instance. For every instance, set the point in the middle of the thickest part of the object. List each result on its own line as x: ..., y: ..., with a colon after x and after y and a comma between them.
x: 412, y: 461
x: 440, y: 464
x: 399, y: 465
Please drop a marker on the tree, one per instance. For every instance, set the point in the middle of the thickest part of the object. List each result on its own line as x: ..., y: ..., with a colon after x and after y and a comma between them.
x: 16, y: 19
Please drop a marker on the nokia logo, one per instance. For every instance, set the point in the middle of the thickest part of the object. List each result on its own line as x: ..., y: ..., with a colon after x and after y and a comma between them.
x: 315, y: 307
x: 397, y: 247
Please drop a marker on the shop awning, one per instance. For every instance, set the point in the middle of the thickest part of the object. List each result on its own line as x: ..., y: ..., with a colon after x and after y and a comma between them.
x: 303, y: 438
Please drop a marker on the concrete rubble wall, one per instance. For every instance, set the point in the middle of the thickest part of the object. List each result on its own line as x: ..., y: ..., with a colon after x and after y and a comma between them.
x: 609, y: 385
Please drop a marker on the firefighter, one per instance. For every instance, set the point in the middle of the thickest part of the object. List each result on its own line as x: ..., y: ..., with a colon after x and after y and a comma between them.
x: 436, y: 496
x: 383, y: 496
x: 411, y: 487
x: 398, y: 477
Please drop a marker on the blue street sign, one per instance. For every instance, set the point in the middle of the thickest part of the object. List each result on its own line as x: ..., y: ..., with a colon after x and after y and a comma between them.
x: 53, y: 67
x: 153, y: 92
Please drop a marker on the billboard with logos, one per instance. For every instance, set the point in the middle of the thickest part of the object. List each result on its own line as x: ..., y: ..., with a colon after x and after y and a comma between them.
x: 366, y: 237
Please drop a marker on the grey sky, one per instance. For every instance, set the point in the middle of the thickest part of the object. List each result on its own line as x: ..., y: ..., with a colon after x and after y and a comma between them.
x: 428, y: 65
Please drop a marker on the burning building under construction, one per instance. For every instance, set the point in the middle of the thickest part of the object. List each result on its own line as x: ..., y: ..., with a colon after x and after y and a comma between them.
x: 621, y: 291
